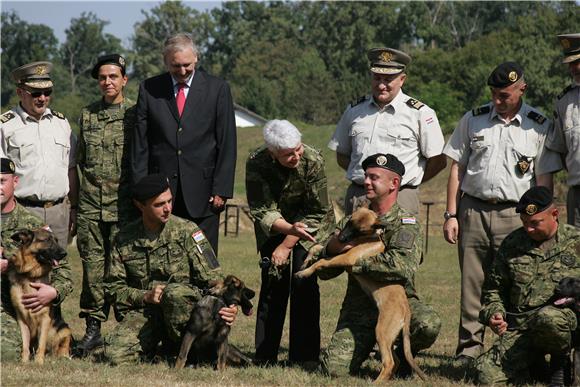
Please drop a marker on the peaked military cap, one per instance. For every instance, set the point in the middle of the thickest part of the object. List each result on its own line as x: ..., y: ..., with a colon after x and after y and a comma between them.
x: 150, y: 186
x: 7, y: 166
x: 35, y: 75
x: 114, y: 59
x: 505, y: 74
x: 385, y: 161
x: 534, y: 200
x: 571, y: 47
x: 388, y: 60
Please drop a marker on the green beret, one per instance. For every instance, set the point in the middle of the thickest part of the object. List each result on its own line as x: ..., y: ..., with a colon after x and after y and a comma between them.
x: 150, y: 186
x: 7, y: 166
x: 35, y: 75
x: 385, y: 161
x: 534, y: 200
x: 571, y: 46
x: 113, y: 59
x: 505, y: 74
x: 388, y: 60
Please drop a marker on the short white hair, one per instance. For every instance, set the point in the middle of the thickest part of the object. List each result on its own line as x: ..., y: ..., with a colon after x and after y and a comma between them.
x: 281, y: 134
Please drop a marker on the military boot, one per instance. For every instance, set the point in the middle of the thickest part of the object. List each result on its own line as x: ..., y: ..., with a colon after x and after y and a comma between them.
x: 558, y: 366
x: 92, y: 338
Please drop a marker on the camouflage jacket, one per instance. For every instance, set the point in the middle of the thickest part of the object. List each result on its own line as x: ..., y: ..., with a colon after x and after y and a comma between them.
x: 403, y: 249
x: 523, y: 277
x: 104, y: 161
x: 61, y: 276
x: 296, y: 194
x: 179, y: 254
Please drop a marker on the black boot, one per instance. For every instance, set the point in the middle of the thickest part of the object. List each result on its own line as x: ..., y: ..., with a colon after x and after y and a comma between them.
x: 92, y: 338
x: 557, y: 370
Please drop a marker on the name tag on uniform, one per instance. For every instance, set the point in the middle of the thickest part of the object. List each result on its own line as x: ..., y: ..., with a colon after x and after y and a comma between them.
x: 477, y: 138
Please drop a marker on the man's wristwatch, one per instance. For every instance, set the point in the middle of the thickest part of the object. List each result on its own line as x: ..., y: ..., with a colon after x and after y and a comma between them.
x: 448, y: 215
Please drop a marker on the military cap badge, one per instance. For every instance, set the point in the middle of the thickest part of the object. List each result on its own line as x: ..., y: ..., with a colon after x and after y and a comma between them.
x: 523, y: 164
x: 12, y: 166
x: 381, y: 160
x: 513, y: 76
x: 531, y: 209
x: 386, y: 56
x: 565, y: 43
x: 40, y: 70
x: 121, y: 61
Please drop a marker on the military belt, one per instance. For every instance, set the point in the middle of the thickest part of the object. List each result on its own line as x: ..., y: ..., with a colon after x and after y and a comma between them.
x: 40, y: 203
x: 492, y: 201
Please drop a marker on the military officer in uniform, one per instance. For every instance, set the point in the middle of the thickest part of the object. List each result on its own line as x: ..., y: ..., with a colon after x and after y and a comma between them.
x: 15, y: 217
x: 104, y: 197
x: 41, y: 144
x: 354, y: 337
x: 160, y: 264
x: 565, y: 138
x: 498, y: 153
x: 288, y: 197
x: 389, y: 121
x: 517, y: 296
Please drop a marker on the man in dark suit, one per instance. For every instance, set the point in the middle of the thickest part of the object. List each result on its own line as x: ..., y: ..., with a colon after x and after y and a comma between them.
x: 186, y: 130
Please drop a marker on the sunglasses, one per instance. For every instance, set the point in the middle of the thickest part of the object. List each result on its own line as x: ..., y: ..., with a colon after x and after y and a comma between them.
x: 36, y: 94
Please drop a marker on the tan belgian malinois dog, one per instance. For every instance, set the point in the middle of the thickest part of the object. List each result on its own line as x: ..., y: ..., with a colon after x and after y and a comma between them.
x: 363, y: 230
x: 41, y: 331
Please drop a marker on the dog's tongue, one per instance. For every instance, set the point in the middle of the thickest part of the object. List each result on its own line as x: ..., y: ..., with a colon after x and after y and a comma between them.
x: 249, y: 312
x: 564, y: 301
x: 54, y: 263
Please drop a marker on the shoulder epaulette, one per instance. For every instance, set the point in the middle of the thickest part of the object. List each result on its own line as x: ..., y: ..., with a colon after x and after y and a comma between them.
x: 416, y: 104
x: 481, y: 110
x: 58, y: 114
x: 7, y: 117
x: 540, y: 119
x: 563, y: 93
x: 358, y: 101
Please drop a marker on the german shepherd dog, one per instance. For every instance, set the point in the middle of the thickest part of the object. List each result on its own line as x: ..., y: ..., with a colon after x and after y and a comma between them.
x: 363, y: 229
x: 207, y: 331
x: 43, y: 330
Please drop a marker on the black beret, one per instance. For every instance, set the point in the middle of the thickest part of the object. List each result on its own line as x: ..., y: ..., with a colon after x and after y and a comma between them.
x: 150, y: 186
x: 534, y: 200
x: 8, y: 166
x: 385, y: 161
x: 114, y: 59
x: 505, y: 74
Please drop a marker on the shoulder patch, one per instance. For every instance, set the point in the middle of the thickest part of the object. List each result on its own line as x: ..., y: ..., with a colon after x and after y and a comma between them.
x: 359, y: 100
x: 416, y: 104
x: 481, y: 110
x: 198, y: 236
x: 408, y: 220
x: 7, y: 117
x: 540, y: 119
x: 563, y: 92
x: 58, y: 114
x: 405, y: 239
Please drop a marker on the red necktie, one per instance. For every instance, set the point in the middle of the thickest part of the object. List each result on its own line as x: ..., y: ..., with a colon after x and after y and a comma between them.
x: 180, y: 98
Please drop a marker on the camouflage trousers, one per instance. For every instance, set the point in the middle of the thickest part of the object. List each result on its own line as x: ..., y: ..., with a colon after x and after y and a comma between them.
x: 354, y: 337
x: 94, y: 243
x: 155, y: 331
x: 10, y: 338
x: 516, y: 355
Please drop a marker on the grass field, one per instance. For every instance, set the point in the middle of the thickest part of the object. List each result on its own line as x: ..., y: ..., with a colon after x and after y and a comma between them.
x: 437, y: 283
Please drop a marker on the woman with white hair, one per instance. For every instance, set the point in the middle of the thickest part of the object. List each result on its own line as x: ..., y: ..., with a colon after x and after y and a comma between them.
x: 287, y: 193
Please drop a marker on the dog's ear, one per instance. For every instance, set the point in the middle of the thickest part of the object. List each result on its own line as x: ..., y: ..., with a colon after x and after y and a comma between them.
x: 23, y: 237
x: 248, y: 293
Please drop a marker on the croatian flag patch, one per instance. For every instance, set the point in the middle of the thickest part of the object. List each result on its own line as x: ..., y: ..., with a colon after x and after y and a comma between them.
x: 198, y: 236
x: 408, y: 220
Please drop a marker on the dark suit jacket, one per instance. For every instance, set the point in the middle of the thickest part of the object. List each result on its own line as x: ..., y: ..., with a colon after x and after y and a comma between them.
x: 198, y: 150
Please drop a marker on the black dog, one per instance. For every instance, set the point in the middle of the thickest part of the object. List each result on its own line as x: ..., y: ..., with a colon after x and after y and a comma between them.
x: 207, y: 331
x: 567, y: 293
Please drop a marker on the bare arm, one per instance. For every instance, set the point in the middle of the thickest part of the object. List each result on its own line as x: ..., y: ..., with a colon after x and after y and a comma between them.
x: 451, y: 226
x: 546, y: 180
x: 294, y: 232
x: 434, y: 165
x: 343, y: 161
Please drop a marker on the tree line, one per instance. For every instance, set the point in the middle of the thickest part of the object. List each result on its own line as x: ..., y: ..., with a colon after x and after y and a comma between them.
x: 306, y: 60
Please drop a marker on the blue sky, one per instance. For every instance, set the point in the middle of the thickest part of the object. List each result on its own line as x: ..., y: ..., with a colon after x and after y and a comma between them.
x: 122, y: 15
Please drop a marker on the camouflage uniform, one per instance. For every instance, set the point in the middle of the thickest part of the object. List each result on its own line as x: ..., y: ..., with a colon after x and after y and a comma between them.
x: 354, y: 336
x: 521, y: 282
x: 21, y: 218
x: 104, y: 198
x: 296, y: 195
x: 180, y: 257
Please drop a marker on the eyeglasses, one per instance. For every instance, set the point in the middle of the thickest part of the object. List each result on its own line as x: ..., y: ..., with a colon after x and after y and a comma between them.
x: 36, y: 94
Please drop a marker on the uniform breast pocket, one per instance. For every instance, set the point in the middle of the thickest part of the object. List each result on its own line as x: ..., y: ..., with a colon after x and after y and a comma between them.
x: 21, y: 147
x: 176, y: 261
x: 572, y: 136
x: 522, y: 275
x: 135, y: 270
x: 480, y: 154
x: 359, y: 139
x: 523, y: 158
x: 61, y: 148
x: 120, y: 153
x: 93, y: 145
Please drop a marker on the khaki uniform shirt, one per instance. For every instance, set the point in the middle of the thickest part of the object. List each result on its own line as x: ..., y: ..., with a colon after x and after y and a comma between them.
x: 104, y: 161
x: 295, y: 194
x: 501, y: 159
x: 565, y: 138
x: 43, y: 151
x: 405, y: 128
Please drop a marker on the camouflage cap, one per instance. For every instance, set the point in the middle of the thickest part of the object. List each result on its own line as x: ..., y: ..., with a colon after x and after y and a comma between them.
x: 7, y: 166
x: 385, y: 161
x: 388, y: 60
x: 505, y: 74
x: 114, y: 59
x: 35, y: 75
x: 534, y: 200
x: 571, y: 47
x: 150, y: 186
